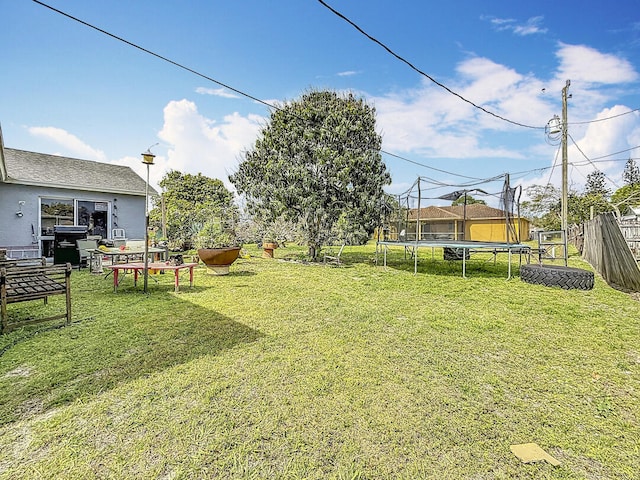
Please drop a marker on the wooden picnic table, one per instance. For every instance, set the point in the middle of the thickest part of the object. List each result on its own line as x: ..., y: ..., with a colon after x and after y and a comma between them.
x: 116, y: 254
x: 137, y: 267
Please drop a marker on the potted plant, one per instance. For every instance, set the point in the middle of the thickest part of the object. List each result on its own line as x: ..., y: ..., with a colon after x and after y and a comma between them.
x: 217, y: 246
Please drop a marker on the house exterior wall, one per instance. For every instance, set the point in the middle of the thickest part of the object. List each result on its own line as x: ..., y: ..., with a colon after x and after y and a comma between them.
x: 127, y: 210
x: 494, y: 230
x: 487, y: 230
x: 476, y: 229
x: 16, y: 230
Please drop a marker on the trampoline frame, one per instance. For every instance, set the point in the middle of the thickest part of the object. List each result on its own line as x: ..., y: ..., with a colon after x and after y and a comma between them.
x: 466, y: 246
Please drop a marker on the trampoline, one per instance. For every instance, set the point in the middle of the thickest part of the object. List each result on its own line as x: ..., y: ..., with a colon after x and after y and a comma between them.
x: 466, y: 246
x: 420, y: 217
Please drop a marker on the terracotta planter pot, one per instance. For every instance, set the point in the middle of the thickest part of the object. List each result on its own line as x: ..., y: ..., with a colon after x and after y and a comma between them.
x: 218, y: 260
x: 267, y: 249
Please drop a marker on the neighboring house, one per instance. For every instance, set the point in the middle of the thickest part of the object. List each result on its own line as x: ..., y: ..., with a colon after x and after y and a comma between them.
x: 632, y: 215
x: 630, y: 227
x: 476, y: 222
x: 39, y: 191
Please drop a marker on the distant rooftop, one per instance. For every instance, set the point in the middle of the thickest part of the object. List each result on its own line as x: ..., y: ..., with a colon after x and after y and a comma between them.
x: 475, y: 211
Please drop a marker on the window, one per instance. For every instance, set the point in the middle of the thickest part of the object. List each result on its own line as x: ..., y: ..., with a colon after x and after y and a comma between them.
x: 55, y: 211
x: 94, y: 216
x: 68, y: 211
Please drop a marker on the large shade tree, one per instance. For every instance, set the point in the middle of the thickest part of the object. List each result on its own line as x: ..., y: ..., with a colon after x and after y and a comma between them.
x: 317, y: 161
x: 190, y: 201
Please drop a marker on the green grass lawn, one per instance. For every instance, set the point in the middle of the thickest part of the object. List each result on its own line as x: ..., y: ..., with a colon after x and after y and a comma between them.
x: 290, y: 370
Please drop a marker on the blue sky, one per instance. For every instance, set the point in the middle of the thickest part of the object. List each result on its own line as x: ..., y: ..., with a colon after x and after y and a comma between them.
x: 68, y: 89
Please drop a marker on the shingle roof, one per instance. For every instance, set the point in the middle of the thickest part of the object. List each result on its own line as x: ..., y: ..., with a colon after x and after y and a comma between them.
x: 456, y: 212
x: 30, y: 168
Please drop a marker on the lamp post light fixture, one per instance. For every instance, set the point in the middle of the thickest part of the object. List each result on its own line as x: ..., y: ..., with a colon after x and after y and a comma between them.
x: 147, y: 159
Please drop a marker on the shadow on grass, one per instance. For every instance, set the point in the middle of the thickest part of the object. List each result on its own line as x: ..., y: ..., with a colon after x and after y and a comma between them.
x: 130, y: 336
x: 164, y: 283
x: 236, y: 273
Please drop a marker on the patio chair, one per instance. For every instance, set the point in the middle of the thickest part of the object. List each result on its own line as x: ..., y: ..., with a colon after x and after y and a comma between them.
x: 334, y: 259
x: 83, y: 250
x: 118, y: 236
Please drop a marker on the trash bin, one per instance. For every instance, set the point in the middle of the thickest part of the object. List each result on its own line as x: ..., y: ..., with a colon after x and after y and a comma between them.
x: 65, y: 248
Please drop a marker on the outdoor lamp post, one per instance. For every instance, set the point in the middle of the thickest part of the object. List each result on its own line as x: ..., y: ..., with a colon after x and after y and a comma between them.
x: 147, y: 159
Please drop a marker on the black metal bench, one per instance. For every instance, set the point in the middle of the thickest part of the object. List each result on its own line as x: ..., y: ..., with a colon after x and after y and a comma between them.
x: 34, y: 282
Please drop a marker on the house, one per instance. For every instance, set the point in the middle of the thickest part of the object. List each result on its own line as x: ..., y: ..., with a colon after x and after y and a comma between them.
x: 632, y: 215
x: 475, y: 222
x: 629, y: 225
x: 40, y: 191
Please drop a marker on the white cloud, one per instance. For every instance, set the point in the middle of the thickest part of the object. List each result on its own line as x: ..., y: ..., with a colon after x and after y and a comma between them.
x: 530, y: 27
x: 601, y: 139
x: 70, y: 142
x: 499, y: 21
x: 156, y: 171
x: 435, y: 123
x: 426, y: 122
x: 218, y: 92
x: 596, y: 142
x: 348, y: 73
x: 199, y: 144
x: 587, y: 66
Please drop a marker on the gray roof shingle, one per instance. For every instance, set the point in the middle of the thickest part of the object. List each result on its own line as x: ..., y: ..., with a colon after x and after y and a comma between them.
x: 30, y: 168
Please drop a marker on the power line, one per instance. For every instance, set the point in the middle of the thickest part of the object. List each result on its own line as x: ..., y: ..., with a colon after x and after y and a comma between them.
x: 427, y: 166
x: 591, y: 163
x: 553, y: 167
x: 607, y: 118
x: 206, y: 77
x: 168, y: 60
x: 276, y: 107
x: 519, y: 175
x: 413, y: 67
x: 526, y: 173
x: 580, y: 164
x: 616, y: 153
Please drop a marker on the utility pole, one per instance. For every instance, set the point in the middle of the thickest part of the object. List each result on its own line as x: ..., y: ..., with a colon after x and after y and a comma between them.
x: 164, y: 218
x: 565, y: 162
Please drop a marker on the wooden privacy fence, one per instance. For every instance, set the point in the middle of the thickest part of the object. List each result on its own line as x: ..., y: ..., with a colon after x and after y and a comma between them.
x: 606, y: 249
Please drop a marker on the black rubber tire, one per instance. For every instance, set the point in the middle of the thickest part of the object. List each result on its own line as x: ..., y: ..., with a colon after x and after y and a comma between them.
x: 452, y: 253
x: 557, y: 276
